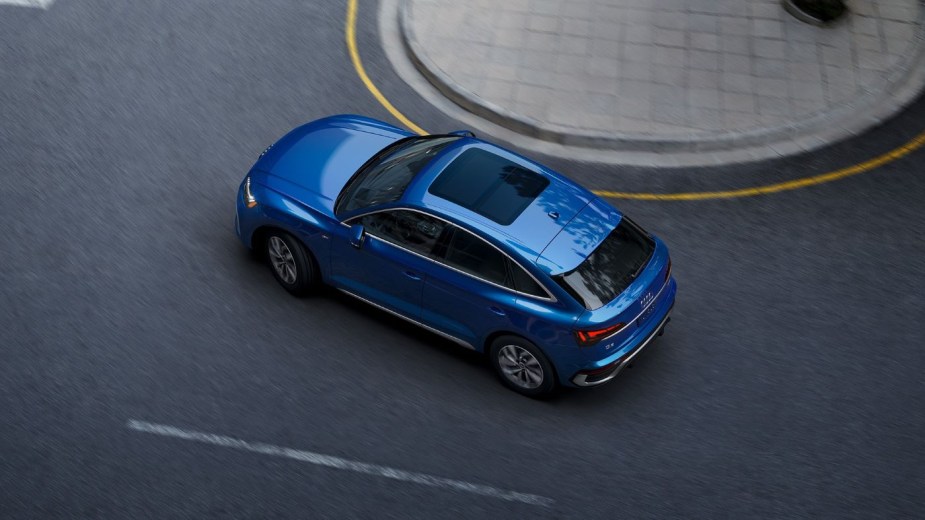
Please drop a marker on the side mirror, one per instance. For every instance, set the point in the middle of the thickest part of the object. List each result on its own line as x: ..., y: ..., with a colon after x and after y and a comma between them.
x: 357, y: 234
x: 463, y: 133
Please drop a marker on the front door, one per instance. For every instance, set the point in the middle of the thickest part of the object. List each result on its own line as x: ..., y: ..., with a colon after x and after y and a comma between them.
x: 390, y: 266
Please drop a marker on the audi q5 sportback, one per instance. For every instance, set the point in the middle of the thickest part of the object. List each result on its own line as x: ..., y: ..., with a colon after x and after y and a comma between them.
x: 466, y: 239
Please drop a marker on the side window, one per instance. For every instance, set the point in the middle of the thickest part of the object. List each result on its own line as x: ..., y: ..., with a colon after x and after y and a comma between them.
x: 472, y: 255
x: 409, y: 229
x: 525, y: 283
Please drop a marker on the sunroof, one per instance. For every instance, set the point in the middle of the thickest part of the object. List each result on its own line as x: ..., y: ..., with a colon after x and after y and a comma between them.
x: 489, y: 185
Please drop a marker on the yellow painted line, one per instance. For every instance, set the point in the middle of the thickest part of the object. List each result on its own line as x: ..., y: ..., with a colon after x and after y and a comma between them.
x: 358, y: 65
x: 848, y: 171
x: 917, y: 142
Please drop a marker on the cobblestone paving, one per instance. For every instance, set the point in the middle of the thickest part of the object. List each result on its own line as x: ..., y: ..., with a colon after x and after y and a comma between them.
x: 662, y: 67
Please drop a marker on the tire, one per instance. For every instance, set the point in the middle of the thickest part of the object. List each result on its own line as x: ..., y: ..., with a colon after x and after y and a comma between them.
x: 518, y: 363
x: 291, y: 263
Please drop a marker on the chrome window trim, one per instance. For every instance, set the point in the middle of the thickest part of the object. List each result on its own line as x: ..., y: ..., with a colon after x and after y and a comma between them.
x: 550, y: 297
x: 452, y: 338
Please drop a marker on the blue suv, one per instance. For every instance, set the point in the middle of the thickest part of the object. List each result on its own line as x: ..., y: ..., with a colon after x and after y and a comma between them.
x: 466, y: 239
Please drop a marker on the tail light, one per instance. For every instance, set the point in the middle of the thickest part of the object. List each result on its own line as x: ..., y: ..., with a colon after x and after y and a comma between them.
x: 589, y: 337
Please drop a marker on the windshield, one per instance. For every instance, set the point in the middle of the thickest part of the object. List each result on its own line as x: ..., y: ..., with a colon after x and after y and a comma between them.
x: 611, y: 268
x: 387, y: 174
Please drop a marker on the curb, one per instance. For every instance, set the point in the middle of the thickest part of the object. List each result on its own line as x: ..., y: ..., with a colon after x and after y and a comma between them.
x: 870, y: 108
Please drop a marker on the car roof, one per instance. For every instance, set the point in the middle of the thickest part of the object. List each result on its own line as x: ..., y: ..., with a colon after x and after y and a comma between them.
x: 532, y: 230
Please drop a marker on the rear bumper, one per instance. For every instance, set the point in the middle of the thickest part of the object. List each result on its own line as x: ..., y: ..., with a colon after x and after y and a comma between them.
x: 604, y: 374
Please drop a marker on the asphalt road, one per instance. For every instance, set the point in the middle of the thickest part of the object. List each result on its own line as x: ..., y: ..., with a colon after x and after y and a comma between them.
x: 789, y: 383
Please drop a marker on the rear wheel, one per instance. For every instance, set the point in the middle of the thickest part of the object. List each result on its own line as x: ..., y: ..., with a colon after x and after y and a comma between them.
x: 291, y: 263
x: 522, y: 367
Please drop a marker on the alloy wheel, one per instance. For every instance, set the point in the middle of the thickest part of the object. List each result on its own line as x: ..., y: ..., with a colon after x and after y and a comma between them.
x: 282, y: 260
x: 520, y: 367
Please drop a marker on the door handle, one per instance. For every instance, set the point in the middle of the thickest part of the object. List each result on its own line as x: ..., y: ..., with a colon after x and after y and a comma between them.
x: 412, y: 275
x: 496, y: 310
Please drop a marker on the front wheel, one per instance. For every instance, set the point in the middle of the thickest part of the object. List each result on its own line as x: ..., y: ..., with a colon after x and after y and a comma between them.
x: 522, y: 367
x: 292, y: 264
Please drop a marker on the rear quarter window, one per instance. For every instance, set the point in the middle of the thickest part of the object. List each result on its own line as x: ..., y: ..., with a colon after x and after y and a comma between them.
x: 470, y: 254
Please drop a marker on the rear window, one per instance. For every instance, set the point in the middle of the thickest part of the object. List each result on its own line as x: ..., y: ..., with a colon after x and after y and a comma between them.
x: 489, y: 185
x: 611, y: 268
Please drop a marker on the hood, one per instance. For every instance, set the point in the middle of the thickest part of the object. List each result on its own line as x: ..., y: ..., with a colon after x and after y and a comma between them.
x: 319, y: 158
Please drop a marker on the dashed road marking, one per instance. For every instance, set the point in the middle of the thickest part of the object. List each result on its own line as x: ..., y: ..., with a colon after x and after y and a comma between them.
x: 848, y: 171
x: 329, y: 461
x: 41, y: 4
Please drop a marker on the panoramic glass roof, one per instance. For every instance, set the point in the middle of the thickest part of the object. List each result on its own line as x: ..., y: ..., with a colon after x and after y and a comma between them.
x: 489, y: 185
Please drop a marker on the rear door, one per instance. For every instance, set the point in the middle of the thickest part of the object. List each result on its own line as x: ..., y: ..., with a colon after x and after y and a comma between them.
x: 469, y: 291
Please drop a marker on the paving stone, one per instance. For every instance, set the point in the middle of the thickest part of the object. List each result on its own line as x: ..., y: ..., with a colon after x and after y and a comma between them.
x: 770, y: 10
x: 669, y: 75
x: 735, y: 44
x: 636, y: 89
x: 735, y: 26
x: 865, y: 25
x: 670, y: 37
x: 497, y: 91
x: 704, y: 60
x: 807, y: 90
x: 638, y: 34
x: 871, y: 60
x: 529, y: 76
x: 543, y: 23
x: 706, y: 118
x: 702, y: 23
x: 668, y: 94
x: 738, y: 63
x: 774, y: 105
x: 809, y: 72
x: 768, y: 48
x: 576, y: 26
x: 600, y: 84
x: 602, y: 32
x: 705, y: 98
x: 665, y: 67
x: 607, y: 67
x: 635, y: 108
x: 838, y: 56
x: 739, y: 120
x: 635, y: 70
x: 638, y: 52
x: 670, y: 56
x: 767, y: 28
x: 606, y: 48
x: 769, y: 68
x: 705, y: 41
x: 670, y: 114
x: 704, y: 79
x: 733, y: 82
x: 670, y: 20
x: 868, y: 43
x: 738, y: 102
x: 806, y: 52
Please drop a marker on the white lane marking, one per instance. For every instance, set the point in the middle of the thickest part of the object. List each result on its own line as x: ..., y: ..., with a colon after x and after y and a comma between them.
x: 338, y: 463
x: 41, y: 4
